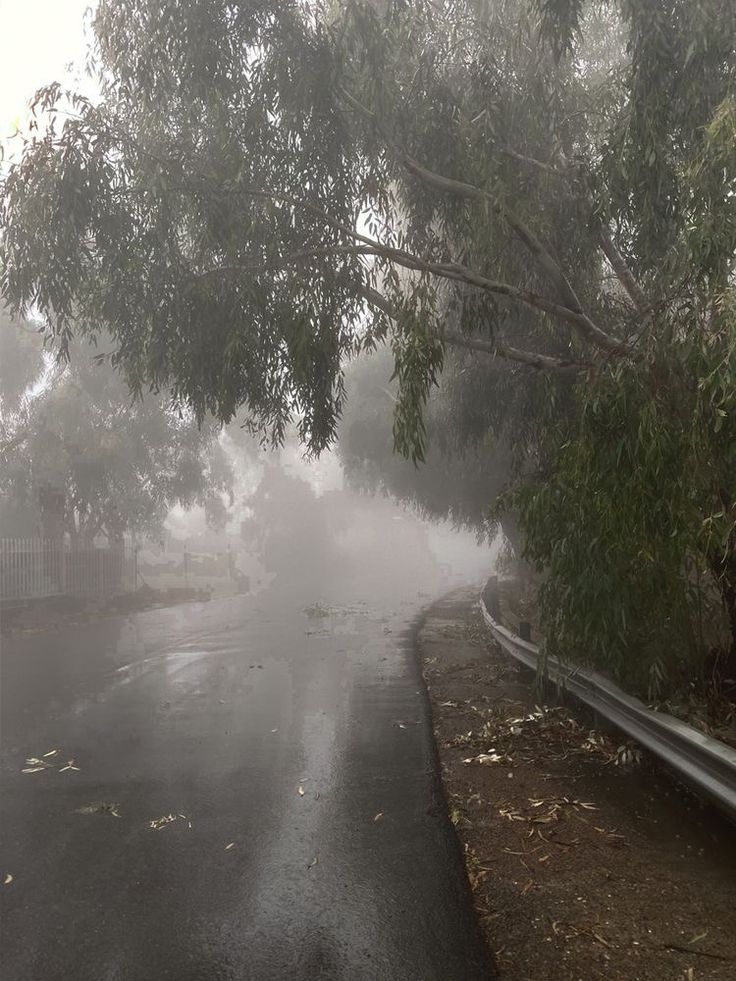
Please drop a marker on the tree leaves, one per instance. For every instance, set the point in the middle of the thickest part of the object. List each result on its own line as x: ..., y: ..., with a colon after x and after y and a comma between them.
x: 265, y: 189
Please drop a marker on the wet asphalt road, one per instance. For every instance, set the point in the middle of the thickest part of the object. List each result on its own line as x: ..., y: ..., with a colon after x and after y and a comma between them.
x: 221, y: 712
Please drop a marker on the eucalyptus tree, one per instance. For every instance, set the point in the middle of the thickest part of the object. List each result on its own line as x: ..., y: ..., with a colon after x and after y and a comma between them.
x: 467, y: 465
x: 267, y: 187
x: 79, y: 457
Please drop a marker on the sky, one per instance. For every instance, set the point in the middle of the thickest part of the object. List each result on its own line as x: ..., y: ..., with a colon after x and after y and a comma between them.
x: 40, y: 38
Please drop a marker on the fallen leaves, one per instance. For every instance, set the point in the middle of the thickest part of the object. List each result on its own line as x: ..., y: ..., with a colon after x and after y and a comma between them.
x: 37, y: 764
x: 301, y: 791
x: 312, y: 864
x: 490, y: 757
x: 166, y: 819
x: 231, y: 845
x: 100, y: 807
x: 523, y: 736
x: 554, y: 846
x: 157, y: 823
x: 628, y: 756
x: 378, y: 817
x: 8, y: 878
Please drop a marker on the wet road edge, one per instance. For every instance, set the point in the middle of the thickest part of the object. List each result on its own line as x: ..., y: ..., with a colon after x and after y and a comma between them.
x: 440, y: 801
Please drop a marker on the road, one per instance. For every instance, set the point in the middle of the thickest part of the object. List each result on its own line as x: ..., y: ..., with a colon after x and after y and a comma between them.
x: 275, y: 740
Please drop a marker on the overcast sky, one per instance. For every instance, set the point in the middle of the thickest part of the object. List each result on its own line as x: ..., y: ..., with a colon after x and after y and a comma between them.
x: 40, y: 37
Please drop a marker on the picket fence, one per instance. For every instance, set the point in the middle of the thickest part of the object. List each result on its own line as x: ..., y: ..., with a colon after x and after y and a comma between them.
x: 36, y: 567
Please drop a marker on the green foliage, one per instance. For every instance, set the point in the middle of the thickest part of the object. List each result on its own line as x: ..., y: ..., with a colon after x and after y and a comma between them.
x: 80, y: 456
x: 265, y: 189
x: 465, y: 467
x: 634, y: 525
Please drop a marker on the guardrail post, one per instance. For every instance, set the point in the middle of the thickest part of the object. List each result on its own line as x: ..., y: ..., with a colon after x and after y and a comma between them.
x: 491, y: 599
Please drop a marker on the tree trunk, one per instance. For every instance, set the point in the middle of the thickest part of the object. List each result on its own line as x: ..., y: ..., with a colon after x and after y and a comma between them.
x: 52, y: 505
x: 723, y: 565
x: 728, y: 592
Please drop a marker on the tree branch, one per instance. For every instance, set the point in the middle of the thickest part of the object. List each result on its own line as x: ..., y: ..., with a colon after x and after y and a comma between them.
x: 15, y: 441
x: 532, y: 161
x: 454, y: 271
x: 572, y: 305
x: 542, y: 255
x: 257, y: 268
x: 542, y: 362
x: 623, y: 273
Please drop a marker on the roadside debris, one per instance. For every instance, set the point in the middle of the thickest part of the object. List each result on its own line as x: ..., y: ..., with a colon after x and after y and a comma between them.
x: 100, y: 807
x: 490, y: 757
x: 8, y: 878
x: 36, y: 764
x: 231, y: 845
x: 312, y: 864
x: 628, y: 755
x: 317, y: 611
x: 378, y: 817
x: 587, y: 864
x: 158, y: 823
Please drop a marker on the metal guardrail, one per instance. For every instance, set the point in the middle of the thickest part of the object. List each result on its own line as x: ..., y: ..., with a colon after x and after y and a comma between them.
x: 705, y: 764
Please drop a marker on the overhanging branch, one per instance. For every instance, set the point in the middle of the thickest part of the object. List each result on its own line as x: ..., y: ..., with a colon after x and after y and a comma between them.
x: 623, y: 273
x: 546, y: 261
x: 541, y: 362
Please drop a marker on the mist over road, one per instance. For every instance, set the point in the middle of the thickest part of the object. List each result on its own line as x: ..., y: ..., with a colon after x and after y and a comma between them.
x: 274, y: 739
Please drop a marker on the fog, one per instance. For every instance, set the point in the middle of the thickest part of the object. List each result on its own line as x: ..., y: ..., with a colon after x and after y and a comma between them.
x: 353, y: 352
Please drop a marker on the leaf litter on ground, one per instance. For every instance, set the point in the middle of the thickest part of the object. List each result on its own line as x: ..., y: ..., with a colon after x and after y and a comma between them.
x: 100, y: 807
x: 156, y: 824
x: 36, y: 764
x: 490, y: 757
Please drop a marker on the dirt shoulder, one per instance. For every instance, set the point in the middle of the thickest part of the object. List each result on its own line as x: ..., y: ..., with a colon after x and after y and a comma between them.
x: 583, y: 865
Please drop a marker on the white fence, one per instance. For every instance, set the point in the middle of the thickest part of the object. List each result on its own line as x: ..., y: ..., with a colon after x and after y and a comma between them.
x: 37, y: 567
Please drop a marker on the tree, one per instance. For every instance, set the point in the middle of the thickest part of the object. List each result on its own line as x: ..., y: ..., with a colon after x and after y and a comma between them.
x: 80, y: 457
x: 292, y: 530
x: 267, y: 187
x: 465, y: 468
